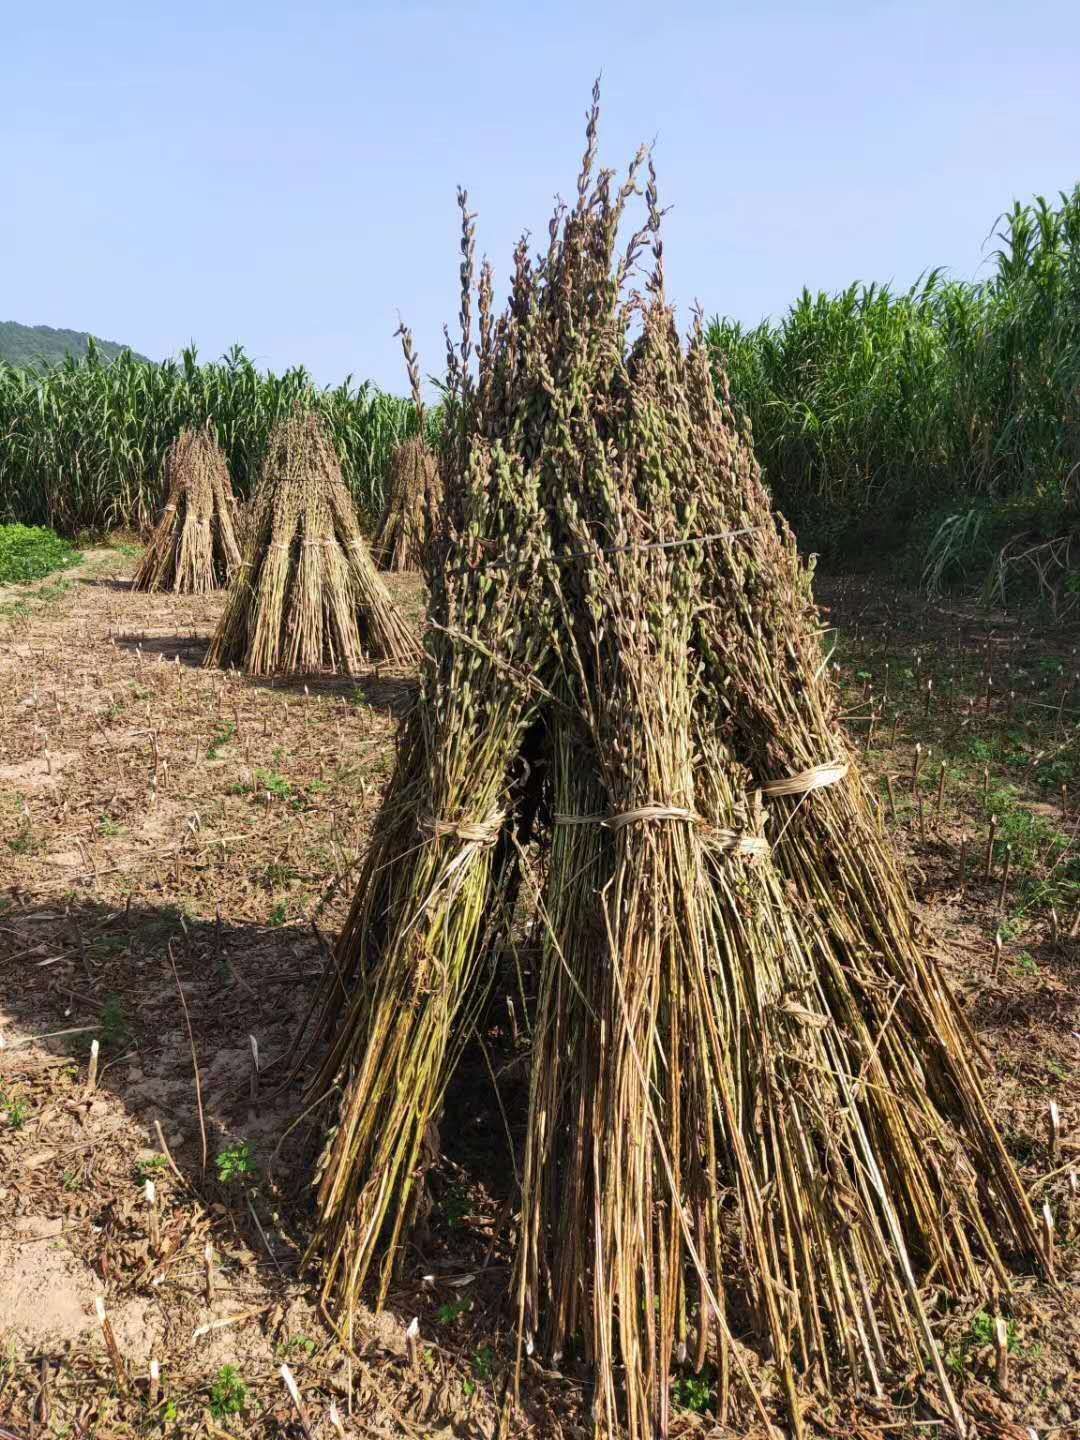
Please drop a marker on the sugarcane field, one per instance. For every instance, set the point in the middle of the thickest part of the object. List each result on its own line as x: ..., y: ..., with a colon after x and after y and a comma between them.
x: 541, y: 897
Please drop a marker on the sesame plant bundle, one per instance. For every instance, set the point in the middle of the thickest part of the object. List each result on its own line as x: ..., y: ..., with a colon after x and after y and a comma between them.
x: 766, y: 683
x: 754, y: 1109
x: 410, y: 968
x: 401, y: 540
x: 413, y: 498
x: 194, y: 547
x: 306, y: 596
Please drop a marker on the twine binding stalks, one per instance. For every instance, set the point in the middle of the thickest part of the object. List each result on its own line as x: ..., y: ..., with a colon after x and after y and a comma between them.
x: 306, y: 596
x: 194, y: 547
x: 754, y: 1105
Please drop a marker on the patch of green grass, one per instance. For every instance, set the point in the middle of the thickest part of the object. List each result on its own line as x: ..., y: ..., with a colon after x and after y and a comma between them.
x: 25, y: 842
x: 114, y: 1027
x: 222, y: 737
x: 228, y: 1393
x: 235, y: 1163
x: 278, y: 874
x: 277, y: 785
x: 29, y: 552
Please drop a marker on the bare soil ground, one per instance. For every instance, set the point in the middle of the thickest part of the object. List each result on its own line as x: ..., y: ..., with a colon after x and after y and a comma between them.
x: 177, y: 844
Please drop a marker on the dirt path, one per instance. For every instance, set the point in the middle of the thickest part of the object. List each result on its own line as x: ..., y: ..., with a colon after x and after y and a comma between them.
x: 173, y: 838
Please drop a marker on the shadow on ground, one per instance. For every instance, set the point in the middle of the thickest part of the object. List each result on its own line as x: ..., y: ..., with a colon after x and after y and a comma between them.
x: 381, y: 689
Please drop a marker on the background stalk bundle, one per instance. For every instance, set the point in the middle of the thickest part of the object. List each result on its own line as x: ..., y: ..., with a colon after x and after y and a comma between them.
x: 306, y: 596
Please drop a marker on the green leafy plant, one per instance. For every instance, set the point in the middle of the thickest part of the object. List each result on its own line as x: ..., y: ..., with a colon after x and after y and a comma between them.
x: 276, y: 784
x: 483, y: 1362
x: 452, y: 1310
x: 15, y: 1108
x: 235, y: 1163
x: 692, y: 1392
x: 299, y: 1345
x: 228, y: 1393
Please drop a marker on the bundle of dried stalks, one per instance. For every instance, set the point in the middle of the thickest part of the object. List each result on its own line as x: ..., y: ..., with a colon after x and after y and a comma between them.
x: 754, y: 1106
x: 402, y: 538
x: 414, y: 491
x: 306, y: 596
x: 194, y: 546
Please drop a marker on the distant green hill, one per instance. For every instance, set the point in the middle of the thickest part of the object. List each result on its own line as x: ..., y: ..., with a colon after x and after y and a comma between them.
x: 26, y: 344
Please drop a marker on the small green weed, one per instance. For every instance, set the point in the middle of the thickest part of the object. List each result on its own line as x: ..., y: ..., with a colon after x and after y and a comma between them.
x: 149, y: 1168
x: 692, y: 1392
x: 279, y: 914
x: 980, y: 1333
x: 114, y: 1027
x: 452, y: 1310
x: 483, y: 1362
x: 981, y: 1330
x: 223, y: 736
x: 276, y: 784
x: 235, y: 1163
x: 15, y: 1108
x: 228, y: 1393
x: 25, y: 842
x: 298, y: 1345
x: 455, y: 1206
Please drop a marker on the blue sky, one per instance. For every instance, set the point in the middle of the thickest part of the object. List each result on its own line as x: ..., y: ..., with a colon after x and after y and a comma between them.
x: 284, y: 174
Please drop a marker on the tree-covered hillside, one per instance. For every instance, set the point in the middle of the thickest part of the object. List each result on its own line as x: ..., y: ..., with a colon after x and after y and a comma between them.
x: 29, y: 344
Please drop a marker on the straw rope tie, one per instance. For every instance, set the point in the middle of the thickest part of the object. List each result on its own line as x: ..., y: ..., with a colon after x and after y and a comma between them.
x: 816, y: 778
x: 478, y: 832
x: 739, y: 842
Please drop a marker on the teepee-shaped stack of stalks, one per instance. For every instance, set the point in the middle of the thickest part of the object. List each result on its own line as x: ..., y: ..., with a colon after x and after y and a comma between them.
x: 754, y: 1103
x: 410, y: 517
x: 306, y: 596
x: 194, y: 548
